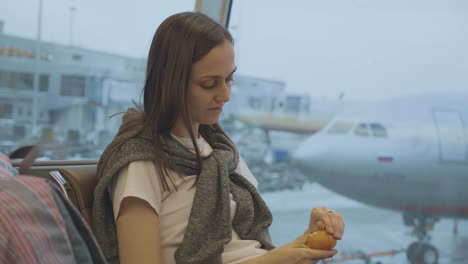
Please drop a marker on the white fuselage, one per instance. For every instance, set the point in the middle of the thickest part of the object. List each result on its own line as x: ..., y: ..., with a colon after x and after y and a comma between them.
x: 414, y: 157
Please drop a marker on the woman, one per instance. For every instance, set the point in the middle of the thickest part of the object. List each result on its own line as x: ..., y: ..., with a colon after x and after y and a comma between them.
x: 172, y: 188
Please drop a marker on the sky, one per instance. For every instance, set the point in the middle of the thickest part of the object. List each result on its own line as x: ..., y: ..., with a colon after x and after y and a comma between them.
x: 364, y: 49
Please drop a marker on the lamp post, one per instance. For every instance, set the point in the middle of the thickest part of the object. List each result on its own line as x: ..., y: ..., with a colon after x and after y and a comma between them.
x: 72, y: 20
x: 37, y: 59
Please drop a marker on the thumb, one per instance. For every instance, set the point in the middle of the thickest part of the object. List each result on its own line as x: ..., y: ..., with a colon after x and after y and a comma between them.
x: 299, y: 241
x: 319, y: 225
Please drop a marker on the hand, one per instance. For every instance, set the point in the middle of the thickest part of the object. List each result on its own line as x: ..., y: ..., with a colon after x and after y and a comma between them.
x: 295, y: 253
x: 326, y: 219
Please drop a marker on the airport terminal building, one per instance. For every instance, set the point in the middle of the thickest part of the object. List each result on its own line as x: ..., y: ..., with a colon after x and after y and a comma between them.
x: 77, y: 89
x: 65, y: 96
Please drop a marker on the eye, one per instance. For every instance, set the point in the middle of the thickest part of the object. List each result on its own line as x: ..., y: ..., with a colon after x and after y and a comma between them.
x: 229, y: 81
x: 208, y: 85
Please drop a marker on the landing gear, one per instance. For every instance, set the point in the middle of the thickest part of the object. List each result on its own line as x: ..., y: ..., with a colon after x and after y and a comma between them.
x: 421, y: 251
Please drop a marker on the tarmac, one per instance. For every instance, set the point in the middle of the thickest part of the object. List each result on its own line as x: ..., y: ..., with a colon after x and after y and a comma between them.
x: 370, y: 231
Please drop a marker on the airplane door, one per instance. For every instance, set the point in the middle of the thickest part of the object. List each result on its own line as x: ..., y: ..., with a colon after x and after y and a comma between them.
x: 451, y: 135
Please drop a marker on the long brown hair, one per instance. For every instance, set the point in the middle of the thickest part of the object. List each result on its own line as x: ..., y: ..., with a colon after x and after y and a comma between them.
x: 180, y: 41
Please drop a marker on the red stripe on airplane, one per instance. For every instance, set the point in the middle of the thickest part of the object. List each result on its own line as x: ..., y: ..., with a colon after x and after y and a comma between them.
x: 384, y: 159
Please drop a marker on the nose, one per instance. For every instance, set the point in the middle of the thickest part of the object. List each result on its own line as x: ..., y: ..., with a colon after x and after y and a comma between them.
x: 224, y: 93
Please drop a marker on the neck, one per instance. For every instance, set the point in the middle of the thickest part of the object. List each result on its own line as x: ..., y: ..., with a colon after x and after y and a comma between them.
x: 180, y: 130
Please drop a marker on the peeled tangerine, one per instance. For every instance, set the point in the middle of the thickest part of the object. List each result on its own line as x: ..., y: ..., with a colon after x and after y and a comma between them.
x: 320, y: 240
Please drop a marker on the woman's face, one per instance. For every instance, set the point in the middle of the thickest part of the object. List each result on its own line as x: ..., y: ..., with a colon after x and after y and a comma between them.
x: 210, y: 84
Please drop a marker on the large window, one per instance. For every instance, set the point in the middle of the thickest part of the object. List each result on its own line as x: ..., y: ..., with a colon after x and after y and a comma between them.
x: 43, y: 83
x: 6, y: 110
x: 381, y: 69
x: 72, y: 85
x: 16, y: 80
x: 357, y: 105
x: 90, y: 65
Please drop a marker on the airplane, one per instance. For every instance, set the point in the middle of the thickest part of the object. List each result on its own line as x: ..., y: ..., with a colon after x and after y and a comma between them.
x: 408, y: 154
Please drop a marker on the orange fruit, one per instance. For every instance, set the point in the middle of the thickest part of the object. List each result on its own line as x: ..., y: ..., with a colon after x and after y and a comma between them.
x: 320, y: 240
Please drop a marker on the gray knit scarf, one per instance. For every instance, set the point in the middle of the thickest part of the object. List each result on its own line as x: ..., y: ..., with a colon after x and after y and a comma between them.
x: 209, y: 228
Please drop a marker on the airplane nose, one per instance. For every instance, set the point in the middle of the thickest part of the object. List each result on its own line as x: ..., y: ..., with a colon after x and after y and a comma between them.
x: 307, y: 155
x: 299, y: 155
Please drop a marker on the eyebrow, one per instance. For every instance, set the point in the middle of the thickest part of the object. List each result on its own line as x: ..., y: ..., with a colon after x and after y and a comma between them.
x: 217, y: 76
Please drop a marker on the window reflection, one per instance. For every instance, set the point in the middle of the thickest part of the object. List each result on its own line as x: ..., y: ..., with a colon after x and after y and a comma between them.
x: 60, y: 89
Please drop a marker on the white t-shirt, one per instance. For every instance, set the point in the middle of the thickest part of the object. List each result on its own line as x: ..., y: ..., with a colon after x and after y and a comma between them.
x: 140, y: 179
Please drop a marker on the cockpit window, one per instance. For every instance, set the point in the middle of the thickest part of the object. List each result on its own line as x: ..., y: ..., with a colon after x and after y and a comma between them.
x: 340, y: 127
x: 361, y: 130
x: 378, y: 130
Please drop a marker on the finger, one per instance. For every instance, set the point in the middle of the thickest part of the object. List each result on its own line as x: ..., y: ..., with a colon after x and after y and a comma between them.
x: 318, y: 213
x: 306, y: 254
x: 338, y: 224
x: 300, y: 240
x: 314, y: 254
x: 341, y: 225
x: 319, y: 220
x: 320, y: 225
x: 308, y: 261
x: 328, y: 223
x: 334, y: 219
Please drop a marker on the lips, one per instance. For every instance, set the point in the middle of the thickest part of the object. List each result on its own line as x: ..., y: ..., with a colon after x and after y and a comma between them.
x: 215, y: 108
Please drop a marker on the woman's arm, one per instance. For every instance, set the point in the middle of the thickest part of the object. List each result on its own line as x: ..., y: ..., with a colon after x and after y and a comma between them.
x: 292, y: 253
x: 138, y: 232
x: 320, y: 218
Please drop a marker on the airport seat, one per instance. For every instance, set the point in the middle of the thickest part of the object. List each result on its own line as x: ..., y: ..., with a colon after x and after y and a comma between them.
x: 64, y: 236
x: 76, y: 180
x: 78, y: 183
